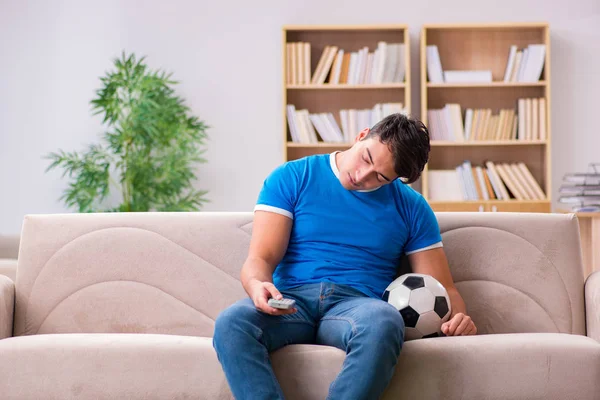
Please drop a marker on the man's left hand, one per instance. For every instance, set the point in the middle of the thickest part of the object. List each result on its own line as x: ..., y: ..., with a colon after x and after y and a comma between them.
x: 459, y: 325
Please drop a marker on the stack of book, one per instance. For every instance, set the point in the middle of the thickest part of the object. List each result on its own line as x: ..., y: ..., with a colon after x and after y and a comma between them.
x: 526, y: 123
x: 436, y: 73
x: 386, y: 64
x: 524, y: 65
x: 501, y: 181
x: 581, y: 191
x: 307, y: 127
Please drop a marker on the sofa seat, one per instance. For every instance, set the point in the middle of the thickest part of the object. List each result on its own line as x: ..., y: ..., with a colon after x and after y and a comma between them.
x: 150, y: 366
x: 501, y: 366
x: 110, y: 366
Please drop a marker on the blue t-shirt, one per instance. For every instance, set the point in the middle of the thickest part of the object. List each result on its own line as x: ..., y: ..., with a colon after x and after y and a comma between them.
x: 354, y: 238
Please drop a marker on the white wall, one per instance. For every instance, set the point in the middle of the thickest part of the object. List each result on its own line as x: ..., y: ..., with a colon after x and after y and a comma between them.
x: 228, y: 57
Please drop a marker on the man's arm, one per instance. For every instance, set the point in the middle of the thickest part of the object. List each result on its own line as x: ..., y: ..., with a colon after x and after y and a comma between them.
x: 434, y: 262
x: 270, y: 238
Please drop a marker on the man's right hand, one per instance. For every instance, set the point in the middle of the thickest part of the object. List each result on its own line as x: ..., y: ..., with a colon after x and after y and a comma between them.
x: 261, y: 292
x: 270, y: 237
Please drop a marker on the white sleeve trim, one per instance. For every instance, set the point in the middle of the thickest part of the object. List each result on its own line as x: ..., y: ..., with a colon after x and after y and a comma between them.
x: 433, y: 246
x: 276, y: 210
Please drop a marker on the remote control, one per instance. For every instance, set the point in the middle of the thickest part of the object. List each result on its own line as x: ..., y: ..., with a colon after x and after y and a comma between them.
x: 283, y: 304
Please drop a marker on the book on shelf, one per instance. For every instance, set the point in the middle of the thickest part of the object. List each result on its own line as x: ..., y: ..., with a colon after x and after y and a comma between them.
x: 524, y: 65
x: 468, y: 76
x: 305, y: 126
x: 492, y: 181
x: 297, y: 63
x: 446, y: 123
x: 526, y: 123
x: 385, y: 64
x: 434, y: 65
x: 354, y: 121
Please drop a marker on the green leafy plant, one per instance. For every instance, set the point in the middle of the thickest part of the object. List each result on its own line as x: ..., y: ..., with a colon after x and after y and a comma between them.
x: 152, y: 146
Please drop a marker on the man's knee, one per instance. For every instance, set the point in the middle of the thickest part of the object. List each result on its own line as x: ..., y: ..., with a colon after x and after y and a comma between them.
x: 386, y: 323
x: 233, y: 320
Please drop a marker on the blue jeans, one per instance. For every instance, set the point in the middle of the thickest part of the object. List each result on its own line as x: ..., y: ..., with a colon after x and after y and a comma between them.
x: 369, y: 330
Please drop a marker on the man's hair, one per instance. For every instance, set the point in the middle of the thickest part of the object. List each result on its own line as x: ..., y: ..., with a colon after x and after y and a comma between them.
x: 408, y: 140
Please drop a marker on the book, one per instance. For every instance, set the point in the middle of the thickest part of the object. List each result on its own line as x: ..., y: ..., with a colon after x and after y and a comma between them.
x: 434, y: 65
x: 583, y: 178
x: 580, y: 190
x: 468, y: 76
x: 512, y: 53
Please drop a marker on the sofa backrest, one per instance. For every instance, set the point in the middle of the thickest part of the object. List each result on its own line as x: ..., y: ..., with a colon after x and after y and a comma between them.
x: 129, y: 272
x: 518, y: 272
x: 174, y: 272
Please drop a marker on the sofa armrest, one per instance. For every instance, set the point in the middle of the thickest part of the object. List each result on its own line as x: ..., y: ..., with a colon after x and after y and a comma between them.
x: 7, y: 306
x: 592, y: 305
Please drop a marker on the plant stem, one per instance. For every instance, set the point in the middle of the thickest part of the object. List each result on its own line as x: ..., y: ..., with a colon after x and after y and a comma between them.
x: 125, y: 194
x: 126, y: 184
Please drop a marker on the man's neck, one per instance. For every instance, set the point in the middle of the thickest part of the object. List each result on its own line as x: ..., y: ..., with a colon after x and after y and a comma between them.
x: 338, y: 158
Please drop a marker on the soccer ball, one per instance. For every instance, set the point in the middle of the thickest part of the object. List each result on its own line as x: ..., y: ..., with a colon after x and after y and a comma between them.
x: 423, y: 303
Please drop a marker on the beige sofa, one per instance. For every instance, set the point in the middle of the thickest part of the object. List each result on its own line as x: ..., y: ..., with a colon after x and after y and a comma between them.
x: 9, y: 250
x: 122, y: 306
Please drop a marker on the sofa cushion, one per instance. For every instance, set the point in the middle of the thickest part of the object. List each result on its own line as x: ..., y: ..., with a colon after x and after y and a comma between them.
x: 505, y: 366
x: 517, y: 272
x: 138, y: 273
x: 111, y: 366
x: 148, y: 366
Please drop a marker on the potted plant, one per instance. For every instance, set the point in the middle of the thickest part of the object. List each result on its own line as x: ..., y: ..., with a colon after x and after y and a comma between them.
x: 152, y: 145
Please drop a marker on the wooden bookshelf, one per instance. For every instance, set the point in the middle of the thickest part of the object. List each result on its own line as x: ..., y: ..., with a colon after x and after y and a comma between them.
x: 486, y: 47
x: 333, y: 97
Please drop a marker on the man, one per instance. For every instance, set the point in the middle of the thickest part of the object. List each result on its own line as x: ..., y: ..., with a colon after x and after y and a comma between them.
x: 328, y: 232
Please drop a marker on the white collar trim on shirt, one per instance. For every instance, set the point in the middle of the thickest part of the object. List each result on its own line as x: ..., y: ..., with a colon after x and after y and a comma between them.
x: 336, y: 171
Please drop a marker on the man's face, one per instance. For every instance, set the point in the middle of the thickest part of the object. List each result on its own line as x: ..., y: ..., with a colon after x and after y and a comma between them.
x: 367, y: 165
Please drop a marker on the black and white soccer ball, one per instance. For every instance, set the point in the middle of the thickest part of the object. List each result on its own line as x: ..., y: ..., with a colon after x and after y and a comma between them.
x: 423, y: 303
